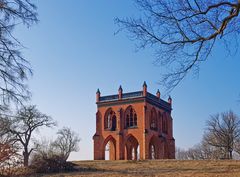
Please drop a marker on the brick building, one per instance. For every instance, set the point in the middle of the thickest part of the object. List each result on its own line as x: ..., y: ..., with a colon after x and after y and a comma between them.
x: 135, y: 125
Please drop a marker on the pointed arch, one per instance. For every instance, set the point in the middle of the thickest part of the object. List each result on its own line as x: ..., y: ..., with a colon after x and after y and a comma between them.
x: 131, y: 148
x: 110, y: 120
x: 109, y: 148
x: 153, y: 119
x: 153, y: 148
x: 130, y: 117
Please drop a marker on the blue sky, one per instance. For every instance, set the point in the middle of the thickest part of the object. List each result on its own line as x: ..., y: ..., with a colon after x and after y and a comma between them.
x: 73, y: 51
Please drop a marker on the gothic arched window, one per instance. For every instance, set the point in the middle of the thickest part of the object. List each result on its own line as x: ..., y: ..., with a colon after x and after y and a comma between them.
x: 160, y: 120
x: 153, y: 120
x: 130, y: 117
x: 110, y: 121
x: 165, y: 123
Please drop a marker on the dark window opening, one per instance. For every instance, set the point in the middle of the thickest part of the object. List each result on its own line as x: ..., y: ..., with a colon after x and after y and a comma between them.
x: 113, y: 123
x: 110, y: 121
x: 153, y: 120
x: 127, y: 120
x: 135, y: 120
x: 131, y: 118
x: 165, y: 124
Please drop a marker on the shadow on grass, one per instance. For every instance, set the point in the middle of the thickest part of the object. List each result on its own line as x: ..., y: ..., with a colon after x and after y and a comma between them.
x: 145, y: 168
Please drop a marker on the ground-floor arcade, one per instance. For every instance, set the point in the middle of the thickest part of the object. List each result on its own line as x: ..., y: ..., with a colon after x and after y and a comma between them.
x: 131, y: 147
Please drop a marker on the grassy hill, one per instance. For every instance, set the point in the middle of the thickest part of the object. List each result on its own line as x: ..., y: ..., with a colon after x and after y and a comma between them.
x: 168, y: 168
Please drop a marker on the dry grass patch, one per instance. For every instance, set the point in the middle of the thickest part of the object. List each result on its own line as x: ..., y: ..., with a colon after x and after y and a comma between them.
x: 168, y: 168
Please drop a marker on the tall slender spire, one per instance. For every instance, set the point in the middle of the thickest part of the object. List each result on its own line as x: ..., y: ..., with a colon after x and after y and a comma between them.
x: 158, y: 94
x: 170, y: 100
x: 144, y: 84
x: 144, y: 88
x: 98, y: 94
x: 120, y: 90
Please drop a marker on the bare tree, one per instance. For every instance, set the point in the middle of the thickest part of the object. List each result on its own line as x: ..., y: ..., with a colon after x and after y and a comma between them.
x: 183, y: 33
x: 181, y: 154
x: 14, y: 68
x: 237, y: 146
x: 223, y: 133
x: 196, y: 152
x: 66, y: 142
x: 51, y: 156
x: 201, y: 151
x: 27, y: 121
x: 220, y: 140
x: 209, y: 151
x: 45, y: 149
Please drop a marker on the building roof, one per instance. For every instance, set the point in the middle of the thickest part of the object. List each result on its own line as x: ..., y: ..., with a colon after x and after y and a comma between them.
x: 134, y: 96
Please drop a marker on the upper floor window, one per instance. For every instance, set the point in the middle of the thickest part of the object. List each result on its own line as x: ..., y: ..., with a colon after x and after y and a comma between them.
x: 110, y: 120
x: 153, y: 120
x: 160, y: 120
x: 165, y: 123
x: 130, y: 117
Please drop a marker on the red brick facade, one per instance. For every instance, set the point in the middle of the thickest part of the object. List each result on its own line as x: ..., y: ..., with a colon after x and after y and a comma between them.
x: 136, y: 125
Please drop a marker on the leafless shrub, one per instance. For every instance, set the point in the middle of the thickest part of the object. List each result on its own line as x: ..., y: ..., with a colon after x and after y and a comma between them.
x: 66, y: 142
x: 51, y: 156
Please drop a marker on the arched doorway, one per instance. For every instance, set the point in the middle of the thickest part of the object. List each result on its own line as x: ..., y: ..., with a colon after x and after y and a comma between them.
x: 153, y: 148
x: 110, y: 149
x: 131, y: 148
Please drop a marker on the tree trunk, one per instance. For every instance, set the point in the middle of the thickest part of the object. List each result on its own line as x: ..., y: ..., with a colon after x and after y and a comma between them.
x: 230, y: 154
x: 25, y: 158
